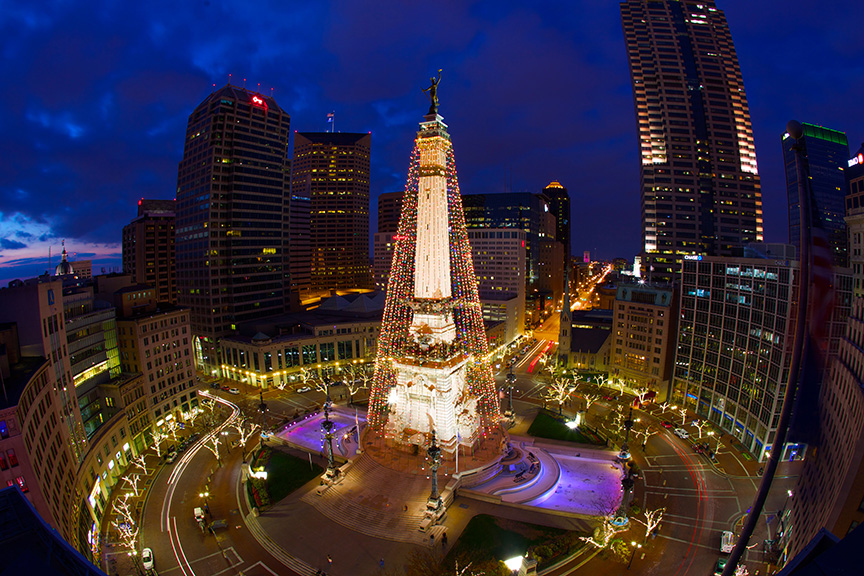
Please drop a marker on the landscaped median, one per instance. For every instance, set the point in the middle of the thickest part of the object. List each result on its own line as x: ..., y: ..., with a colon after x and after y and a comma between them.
x: 488, y: 540
x: 548, y: 425
x: 284, y: 474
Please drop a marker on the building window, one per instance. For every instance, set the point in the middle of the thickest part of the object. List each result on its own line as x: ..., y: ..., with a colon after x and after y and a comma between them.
x: 4, y: 431
x: 3, y: 464
x: 13, y: 460
x: 22, y: 484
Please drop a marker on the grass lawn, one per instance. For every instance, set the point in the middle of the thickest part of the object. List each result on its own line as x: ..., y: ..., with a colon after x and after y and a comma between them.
x: 546, y: 425
x: 487, y: 540
x: 286, y: 473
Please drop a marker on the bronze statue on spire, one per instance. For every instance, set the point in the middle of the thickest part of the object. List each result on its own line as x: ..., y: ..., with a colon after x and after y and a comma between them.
x: 432, y: 92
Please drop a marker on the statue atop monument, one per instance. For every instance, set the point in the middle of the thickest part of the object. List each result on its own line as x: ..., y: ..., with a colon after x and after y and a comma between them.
x: 432, y: 92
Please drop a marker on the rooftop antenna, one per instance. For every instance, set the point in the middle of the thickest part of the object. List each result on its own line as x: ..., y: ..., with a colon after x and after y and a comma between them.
x: 259, y: 87
x: 229, y: 78
x: 244, y: 83
x: 331, y: 120
x: 49, y: 258
x: 271, y: 92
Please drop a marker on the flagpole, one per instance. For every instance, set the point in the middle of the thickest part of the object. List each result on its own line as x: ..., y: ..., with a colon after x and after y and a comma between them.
x: 804, y: 278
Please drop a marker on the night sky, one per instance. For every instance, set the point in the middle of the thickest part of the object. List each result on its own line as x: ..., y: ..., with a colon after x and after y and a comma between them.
x: 96, y: 96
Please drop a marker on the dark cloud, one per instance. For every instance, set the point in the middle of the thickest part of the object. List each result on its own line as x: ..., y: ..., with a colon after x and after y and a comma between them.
x: 97, y: 96
x: 8, y: 244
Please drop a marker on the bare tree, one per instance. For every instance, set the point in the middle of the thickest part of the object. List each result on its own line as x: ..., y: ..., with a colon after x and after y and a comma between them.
x: 140, y: 462
x: 207, y: 403
x: 172, y: 426
x: 590, y: 399
x: 641, y: 392
x: 652, y: 521
x: 132, y: 480
x: 645, y: 433
x: 124, y: 522
x: 663, y: 407
x: 606, y: 506
x: 245, y: 427
x: 699, y: 424
x: 212, y: 443
x: 357, y: 379
x: 683, y: 415
x: 158, y: 437
x: 192, y: 415
x: 558, y: 391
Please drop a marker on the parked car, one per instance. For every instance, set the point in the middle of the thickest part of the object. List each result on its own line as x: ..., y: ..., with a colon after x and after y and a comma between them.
x: 666, y: 424
x: 304, y: 389
x: 193, y: 437
x: 233, y: 391
x: 720, y: 566
x: 147, y: 559
x: 727, y: 542
x: 226, y: 388
x: 681, y: 433
x: 199, y: 514
x: 171, y: 457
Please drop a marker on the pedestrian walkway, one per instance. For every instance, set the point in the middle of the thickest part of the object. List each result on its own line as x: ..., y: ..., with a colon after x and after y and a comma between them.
x: 358, y: 502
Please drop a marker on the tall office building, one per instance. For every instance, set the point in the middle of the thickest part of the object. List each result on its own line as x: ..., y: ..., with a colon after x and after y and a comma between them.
x: 855, y: 218
x: 559, y: 205
x: 825, y: 153
x: 334, y: 169
x: 233, y: 201
x: 700, y: 189
x: 531, y: 213
x: 383, y: 243
x: 148, y: 248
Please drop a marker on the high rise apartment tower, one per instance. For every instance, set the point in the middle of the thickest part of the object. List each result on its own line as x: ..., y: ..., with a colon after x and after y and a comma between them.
x: 334, y: 169
x: 700, y: 186
x: 233, y: 198
x: 825, y: 154
x: 148, y: 248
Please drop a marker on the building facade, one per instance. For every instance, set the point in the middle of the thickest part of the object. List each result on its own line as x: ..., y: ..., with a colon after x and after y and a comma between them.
x: 233, y: 201
x: 855, y: 219
x: 559, y: 204
x: 334, y: 170
x: 644, y: 336
x: 700, y: 188
x: 824, y: 153
x: 148, y: 248
x: 499, y: 264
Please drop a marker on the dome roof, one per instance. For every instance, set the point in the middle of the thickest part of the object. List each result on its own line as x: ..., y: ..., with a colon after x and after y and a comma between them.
x: 64, y: 268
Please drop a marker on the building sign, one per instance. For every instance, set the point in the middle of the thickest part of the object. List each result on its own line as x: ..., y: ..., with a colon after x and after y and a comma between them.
x: 855, y: 160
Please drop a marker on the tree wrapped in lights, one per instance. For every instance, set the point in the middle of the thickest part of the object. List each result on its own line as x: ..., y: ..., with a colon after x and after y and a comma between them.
x: 396, y: 340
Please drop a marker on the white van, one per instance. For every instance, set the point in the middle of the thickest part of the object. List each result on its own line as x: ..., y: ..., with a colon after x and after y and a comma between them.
x: 199, y: 515
x: 727, y: 542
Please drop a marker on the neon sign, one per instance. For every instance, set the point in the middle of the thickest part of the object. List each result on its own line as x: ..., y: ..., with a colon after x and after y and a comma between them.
x: 859, y: 159
x: 259, y: 101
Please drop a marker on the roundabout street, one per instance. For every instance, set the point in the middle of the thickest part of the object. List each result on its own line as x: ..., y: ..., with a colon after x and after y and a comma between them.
x: 701, y: 498
x: 179, y: 545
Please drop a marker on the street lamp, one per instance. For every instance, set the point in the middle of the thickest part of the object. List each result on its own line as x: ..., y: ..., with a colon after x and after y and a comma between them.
x: 327, y: 427
x: 636, y: 547
x: 204, y: 495
x: 134, y: 556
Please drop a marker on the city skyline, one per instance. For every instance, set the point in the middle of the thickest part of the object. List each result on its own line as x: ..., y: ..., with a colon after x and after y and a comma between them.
x: 100, y: 107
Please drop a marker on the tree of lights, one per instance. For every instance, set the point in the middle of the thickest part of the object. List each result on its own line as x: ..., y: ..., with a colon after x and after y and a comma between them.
x: 432, y: 370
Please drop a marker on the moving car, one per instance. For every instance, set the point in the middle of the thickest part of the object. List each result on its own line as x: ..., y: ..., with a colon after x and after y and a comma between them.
x: 171, y: 457
x: 681, y: 433
x: 666, y: 424
x: 147, y: 559
x: 727, y: 542
x: 721, y: 565
x: 304, y: 389
x: 233, y: 391
x: 199, y: 514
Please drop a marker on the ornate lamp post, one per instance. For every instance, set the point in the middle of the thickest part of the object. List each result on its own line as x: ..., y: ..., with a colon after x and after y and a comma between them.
x: 628, y: 424
x: 134, y: 556
x: 635, y: 548
x: 262, y: 408
x: 327, y: 427
x: 434, y: 504
x: 511, y: 381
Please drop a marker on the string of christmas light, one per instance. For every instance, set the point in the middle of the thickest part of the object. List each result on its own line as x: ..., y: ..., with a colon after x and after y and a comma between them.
x: 395, y: 340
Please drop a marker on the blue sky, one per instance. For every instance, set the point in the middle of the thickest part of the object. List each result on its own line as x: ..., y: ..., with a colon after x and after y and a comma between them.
x: 96, y: 96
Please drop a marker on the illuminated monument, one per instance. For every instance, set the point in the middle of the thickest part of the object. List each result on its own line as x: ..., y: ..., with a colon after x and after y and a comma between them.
x: 432, y: 373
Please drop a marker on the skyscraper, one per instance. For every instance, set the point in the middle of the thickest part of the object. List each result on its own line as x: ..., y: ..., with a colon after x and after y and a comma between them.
x: 825, y: 153
x: 233, y: 198
x: 700, y: 187
x: 334, y: 169
x: 559, y: 205
x: 148, y: 248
